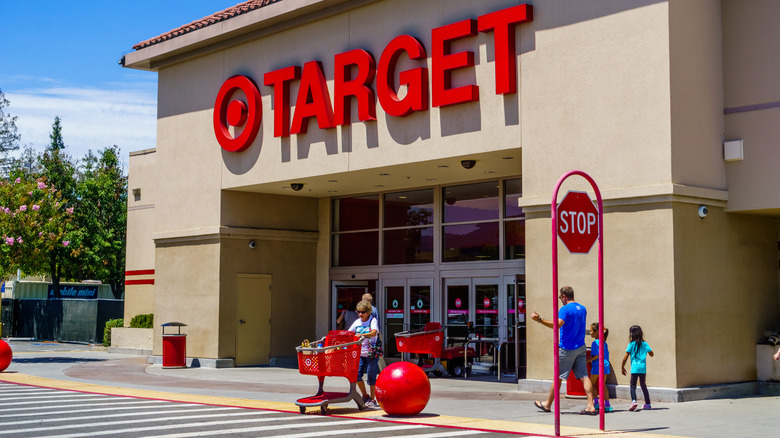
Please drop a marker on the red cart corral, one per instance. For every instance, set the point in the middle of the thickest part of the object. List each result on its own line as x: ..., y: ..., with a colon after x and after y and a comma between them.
x: 339, y: 356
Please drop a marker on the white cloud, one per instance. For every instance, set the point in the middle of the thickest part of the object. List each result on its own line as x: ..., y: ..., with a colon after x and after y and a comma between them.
x: 92, y: 118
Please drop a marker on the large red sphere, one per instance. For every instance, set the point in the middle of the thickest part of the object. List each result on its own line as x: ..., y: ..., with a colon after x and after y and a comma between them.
x: 403, y: 388
x: 5, y: 355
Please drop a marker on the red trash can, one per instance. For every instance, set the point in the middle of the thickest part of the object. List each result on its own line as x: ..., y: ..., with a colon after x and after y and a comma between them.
x: 574, y: 387
x: 174, y: 347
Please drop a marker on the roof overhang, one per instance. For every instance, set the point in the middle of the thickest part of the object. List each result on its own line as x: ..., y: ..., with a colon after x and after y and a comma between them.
x: 236, y: 30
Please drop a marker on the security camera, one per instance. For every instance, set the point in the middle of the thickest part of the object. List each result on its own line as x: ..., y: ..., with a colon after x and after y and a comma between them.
x: 296, y: 186
x: 252, y: 244
x: 468, y: 164
x: 703, y: 211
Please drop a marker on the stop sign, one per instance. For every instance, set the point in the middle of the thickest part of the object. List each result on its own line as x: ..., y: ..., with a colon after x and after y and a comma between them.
x: 578, y: 226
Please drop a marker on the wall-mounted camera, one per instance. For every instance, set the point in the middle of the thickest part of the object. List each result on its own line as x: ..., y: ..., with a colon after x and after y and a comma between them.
x: 296, y: 186
x: 252, y: 244
x: 703, y: 211
x: 468, y: 164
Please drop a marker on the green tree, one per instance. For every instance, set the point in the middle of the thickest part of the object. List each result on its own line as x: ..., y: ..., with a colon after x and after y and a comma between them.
x: 37, y: 227
x: 56, y: 144
x: 9, y: 137
x: 101, y: 219
x: 57, y: 166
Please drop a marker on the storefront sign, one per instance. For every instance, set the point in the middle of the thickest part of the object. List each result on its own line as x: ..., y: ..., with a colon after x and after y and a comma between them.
x: 68, y: 291
x: 314, y: 101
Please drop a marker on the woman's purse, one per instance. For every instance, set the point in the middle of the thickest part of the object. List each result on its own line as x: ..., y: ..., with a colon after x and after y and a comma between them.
x: 375, y: 349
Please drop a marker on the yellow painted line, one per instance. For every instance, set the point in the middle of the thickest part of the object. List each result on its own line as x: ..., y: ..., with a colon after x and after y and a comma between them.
x: 427, y: 419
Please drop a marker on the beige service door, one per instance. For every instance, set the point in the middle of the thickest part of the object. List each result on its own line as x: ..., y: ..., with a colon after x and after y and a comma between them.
x: 253, y: 324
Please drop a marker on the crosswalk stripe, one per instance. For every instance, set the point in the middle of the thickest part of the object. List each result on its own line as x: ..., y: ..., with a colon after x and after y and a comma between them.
x: 59, y: 397
x: 366, y: 430
x: 12, y: 404
x: 158, y: 419
x: 191, y: 425
x: 54, y: 409
x: 29, y: 391
x: 449, y: 433
x: 259, y: 429
x: 114, y: 415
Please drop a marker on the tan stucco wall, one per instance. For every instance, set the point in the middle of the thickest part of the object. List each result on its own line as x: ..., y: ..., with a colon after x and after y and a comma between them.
x: 141, y: 223
x: 186, y: 290
x: 696, y: 94
x: 601, y: 107
x: 292, y: 267
x: 726, y: 292
x: 750, y: 71
x: 638, y: 286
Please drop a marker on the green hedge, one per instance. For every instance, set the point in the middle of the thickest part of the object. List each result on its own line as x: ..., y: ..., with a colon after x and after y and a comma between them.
x: 142, y: 321
x: 119, y: 322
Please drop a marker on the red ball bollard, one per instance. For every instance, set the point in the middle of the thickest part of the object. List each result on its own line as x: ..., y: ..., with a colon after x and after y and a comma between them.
x: 5, y: 355
x: 403, y: 388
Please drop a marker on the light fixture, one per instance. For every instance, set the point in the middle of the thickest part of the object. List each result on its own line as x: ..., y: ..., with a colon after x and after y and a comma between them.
x: 296, y: 186
x: 252, y: 244
x: 468, y: 164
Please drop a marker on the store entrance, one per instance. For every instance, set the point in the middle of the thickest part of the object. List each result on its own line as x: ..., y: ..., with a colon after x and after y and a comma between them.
x: 407, y: 306
x: 496, y: 313
x: 346, y: 296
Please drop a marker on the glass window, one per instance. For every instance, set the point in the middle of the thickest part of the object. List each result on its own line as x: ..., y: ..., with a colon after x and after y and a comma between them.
x: 410, y: 245
x: 512, y: 193
x: 356, y: 249
x: 471, y: 202
x: 409, y: 208
x: 471, y: 242
x: 360, y: 213
x: 514, y: 237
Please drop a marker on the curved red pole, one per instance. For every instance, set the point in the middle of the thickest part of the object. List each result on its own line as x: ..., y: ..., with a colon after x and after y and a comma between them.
x: 556, y: 340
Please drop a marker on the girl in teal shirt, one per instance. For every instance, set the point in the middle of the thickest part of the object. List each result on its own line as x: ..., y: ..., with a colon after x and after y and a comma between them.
x: 638, y: 350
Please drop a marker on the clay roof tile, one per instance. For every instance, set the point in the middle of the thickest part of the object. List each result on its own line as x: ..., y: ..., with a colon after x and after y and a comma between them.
x: 239, y: 9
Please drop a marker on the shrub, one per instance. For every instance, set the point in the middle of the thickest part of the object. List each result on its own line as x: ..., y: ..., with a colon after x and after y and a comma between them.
x: 145, y: 320
x: 119, y: 322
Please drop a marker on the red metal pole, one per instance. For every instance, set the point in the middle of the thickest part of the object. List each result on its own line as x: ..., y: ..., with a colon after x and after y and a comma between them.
x: 556, y: 366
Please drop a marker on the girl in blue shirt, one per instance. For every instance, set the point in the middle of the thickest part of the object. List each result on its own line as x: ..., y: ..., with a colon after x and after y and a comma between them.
x: 594, y: 369
x: 638, y: 350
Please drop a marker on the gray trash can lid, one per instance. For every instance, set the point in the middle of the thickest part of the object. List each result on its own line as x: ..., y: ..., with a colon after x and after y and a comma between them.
x: 174, y: 324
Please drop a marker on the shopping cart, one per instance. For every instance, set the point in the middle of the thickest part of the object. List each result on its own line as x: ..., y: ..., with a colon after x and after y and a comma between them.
x: 338, y: 356
x: 430, y: 341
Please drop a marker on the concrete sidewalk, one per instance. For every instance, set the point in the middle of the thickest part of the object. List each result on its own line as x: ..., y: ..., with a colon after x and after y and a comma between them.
x: 478, y: 403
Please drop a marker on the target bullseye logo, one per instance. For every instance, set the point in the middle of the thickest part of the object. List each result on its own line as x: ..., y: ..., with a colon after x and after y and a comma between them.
x: 237, y: 114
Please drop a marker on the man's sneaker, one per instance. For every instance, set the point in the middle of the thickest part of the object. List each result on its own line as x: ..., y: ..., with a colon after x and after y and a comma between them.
x: 366, y: 399
x: 608, y: 409
x: 646, y: 407
x: 371, y: 404
x: 633, y: 406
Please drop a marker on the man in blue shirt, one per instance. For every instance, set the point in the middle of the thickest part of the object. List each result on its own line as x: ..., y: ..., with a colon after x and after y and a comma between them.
x: 572, y: 355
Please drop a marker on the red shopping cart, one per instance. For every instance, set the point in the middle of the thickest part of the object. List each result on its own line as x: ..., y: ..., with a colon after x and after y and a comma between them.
x: 430, y: 341
x: 339, y: 356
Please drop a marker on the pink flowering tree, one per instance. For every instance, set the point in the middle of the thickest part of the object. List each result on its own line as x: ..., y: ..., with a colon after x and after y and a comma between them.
x: 36, y: 227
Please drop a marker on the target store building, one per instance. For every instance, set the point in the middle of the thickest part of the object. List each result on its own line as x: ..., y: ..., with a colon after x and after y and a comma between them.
x: 310, y: 151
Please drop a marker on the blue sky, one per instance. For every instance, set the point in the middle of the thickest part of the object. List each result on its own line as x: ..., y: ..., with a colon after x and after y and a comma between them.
x: 60, y: 58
